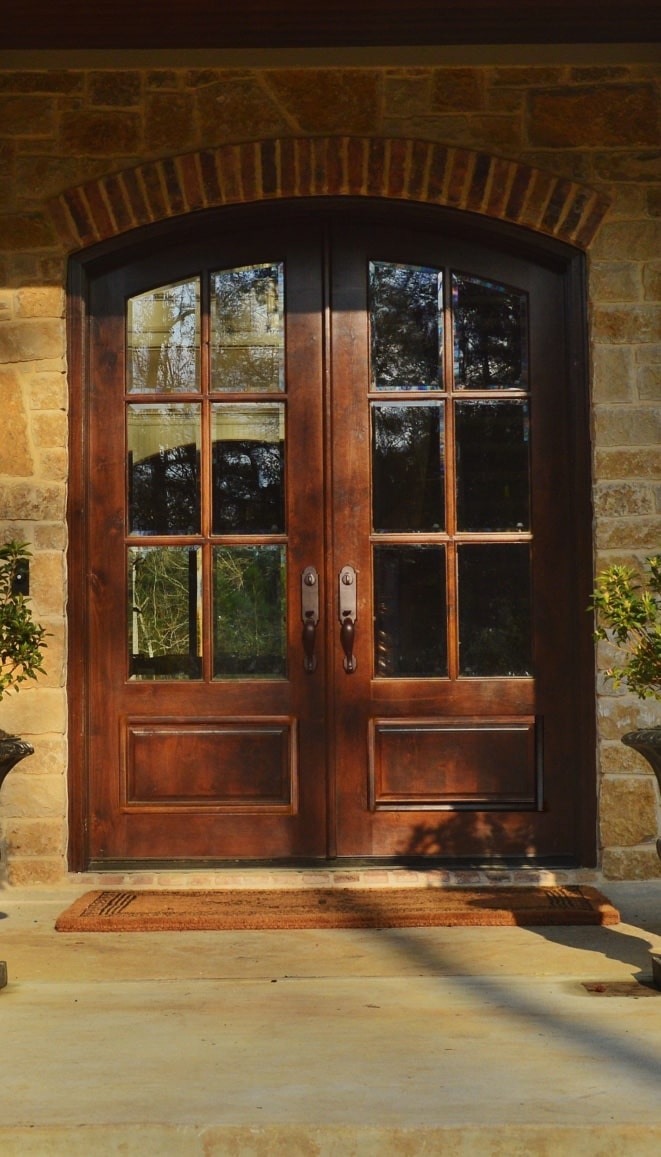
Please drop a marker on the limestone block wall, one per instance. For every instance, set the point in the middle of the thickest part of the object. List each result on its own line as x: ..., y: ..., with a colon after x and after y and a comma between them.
x: 88, y: 152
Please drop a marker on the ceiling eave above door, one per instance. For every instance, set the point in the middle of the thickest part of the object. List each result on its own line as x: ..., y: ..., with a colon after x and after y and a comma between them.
x: 256, y: 24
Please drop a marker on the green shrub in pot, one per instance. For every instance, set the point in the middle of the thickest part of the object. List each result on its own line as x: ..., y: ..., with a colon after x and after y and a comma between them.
x: 627, y: 602
x: 22, y: 642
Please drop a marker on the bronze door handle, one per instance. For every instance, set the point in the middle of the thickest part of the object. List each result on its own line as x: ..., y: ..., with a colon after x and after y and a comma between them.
x: 310, y: 616
x: 347, y: 616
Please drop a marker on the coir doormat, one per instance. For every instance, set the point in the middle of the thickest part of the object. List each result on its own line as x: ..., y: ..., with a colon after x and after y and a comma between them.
x: 413, y: 907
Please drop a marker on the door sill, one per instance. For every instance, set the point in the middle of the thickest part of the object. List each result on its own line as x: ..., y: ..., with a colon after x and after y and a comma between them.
x: 418, y: 864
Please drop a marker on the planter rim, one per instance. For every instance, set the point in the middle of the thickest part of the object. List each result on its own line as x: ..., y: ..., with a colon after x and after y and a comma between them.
x: 643, y: 734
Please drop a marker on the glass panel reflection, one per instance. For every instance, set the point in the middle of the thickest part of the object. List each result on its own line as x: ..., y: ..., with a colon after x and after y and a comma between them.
x: 408, y: 466
x: 165, y: 592
x: 495, y: 609
x: 164, y: 469
x: 493, y: 482
x: 410, y: 609
x: 163, y: 340
x: 248, y: 468
x: 247, y: 328
x: 490, y: 335
x: 406, y: 324
x: 249, y: 611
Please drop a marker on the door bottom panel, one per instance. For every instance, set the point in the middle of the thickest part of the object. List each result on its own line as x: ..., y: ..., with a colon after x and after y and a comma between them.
x: 448, y: 763
x: 202, y: 765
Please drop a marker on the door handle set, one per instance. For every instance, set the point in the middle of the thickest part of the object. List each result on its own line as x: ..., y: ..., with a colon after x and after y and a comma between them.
x: 347, y: 604
x: 310, y: 616
x: 347, y: 615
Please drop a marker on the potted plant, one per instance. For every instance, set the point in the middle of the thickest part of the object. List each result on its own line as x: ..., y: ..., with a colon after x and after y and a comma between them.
x: 21, y: 642
x: 628, y: 606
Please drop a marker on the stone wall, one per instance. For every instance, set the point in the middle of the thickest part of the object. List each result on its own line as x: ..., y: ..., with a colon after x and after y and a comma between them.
x: 584, y: 135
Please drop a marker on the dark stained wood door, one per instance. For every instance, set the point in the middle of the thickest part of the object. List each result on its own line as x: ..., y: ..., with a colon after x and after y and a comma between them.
x: 330, y: 549
x: 206, y: 484
x: 453, y: 478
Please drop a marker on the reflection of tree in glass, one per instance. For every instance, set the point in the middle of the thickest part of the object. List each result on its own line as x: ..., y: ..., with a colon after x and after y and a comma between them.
x: 163, y: 353
x: 408, y: 467
x: 247, y: 329
x: 499, y: 649
x: 164, y: 492
x: 247, y: 299
x: 410, y: 606
x: 248, y: 486
x: 160, y: 594
x: 405, y: 321
x: 490, y: 335
x: 492, y: 465
x: 249, y: 611
x: 494, y: 610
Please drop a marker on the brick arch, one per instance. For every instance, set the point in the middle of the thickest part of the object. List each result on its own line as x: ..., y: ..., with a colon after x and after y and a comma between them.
x: 395, y: 168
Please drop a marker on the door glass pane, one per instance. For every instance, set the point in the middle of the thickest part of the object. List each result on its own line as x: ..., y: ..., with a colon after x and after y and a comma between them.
x: 490, y: 335
x: 494, y: 609
x: 164, y: 468
x: 163, y: 340
x: 164, y: 591
x: 249, y: 611
x: 248, y: 468
x: 406, y: 327
x: 408, y: 467
x: 493, y: 483
x: 247, y: 328
x: 410, y: 608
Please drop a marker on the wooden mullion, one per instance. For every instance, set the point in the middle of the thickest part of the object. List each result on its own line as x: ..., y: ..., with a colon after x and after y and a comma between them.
x: 452, y: 609
x: 452, y: 592
x: 206, y: 449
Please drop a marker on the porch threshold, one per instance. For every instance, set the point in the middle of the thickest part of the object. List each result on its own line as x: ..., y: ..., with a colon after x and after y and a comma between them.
x: 342, y: 875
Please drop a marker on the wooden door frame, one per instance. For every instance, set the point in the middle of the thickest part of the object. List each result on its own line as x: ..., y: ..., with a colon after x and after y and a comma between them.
x: 113, y: 253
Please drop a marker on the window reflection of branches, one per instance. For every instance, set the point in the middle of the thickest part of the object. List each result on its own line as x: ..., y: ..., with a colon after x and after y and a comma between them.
x: 248, y: 459
x: 164, y: 612
x: 490, y: 335
x: 164, y: 469
x: 164, y: 340
x: 495, y: 630
x: 247, y: 328
x: 249, y: 611
x: 405, y: 304
x: 493, y: 468
x: 410, y: 611
x: 408, y: 467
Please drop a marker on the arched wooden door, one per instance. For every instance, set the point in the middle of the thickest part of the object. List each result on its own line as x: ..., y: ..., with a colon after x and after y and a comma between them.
x: 331, y: 540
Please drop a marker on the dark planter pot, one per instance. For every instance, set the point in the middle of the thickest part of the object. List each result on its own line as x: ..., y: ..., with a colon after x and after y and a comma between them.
x: 647, y: 742
x: 12, y: 750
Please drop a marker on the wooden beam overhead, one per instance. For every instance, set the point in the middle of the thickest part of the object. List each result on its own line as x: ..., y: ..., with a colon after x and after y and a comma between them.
x: 260, y: 24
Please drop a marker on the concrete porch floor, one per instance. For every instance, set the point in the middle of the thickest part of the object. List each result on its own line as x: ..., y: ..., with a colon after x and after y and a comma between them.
x: 455, y: 1041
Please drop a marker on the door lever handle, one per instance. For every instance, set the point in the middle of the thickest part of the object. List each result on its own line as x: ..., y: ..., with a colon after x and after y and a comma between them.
x: 347, y: 615
x: 347, y: 635
x: 310, y: 616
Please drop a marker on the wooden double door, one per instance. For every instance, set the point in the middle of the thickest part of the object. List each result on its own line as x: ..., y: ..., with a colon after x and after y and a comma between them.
x: 328, y: 548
